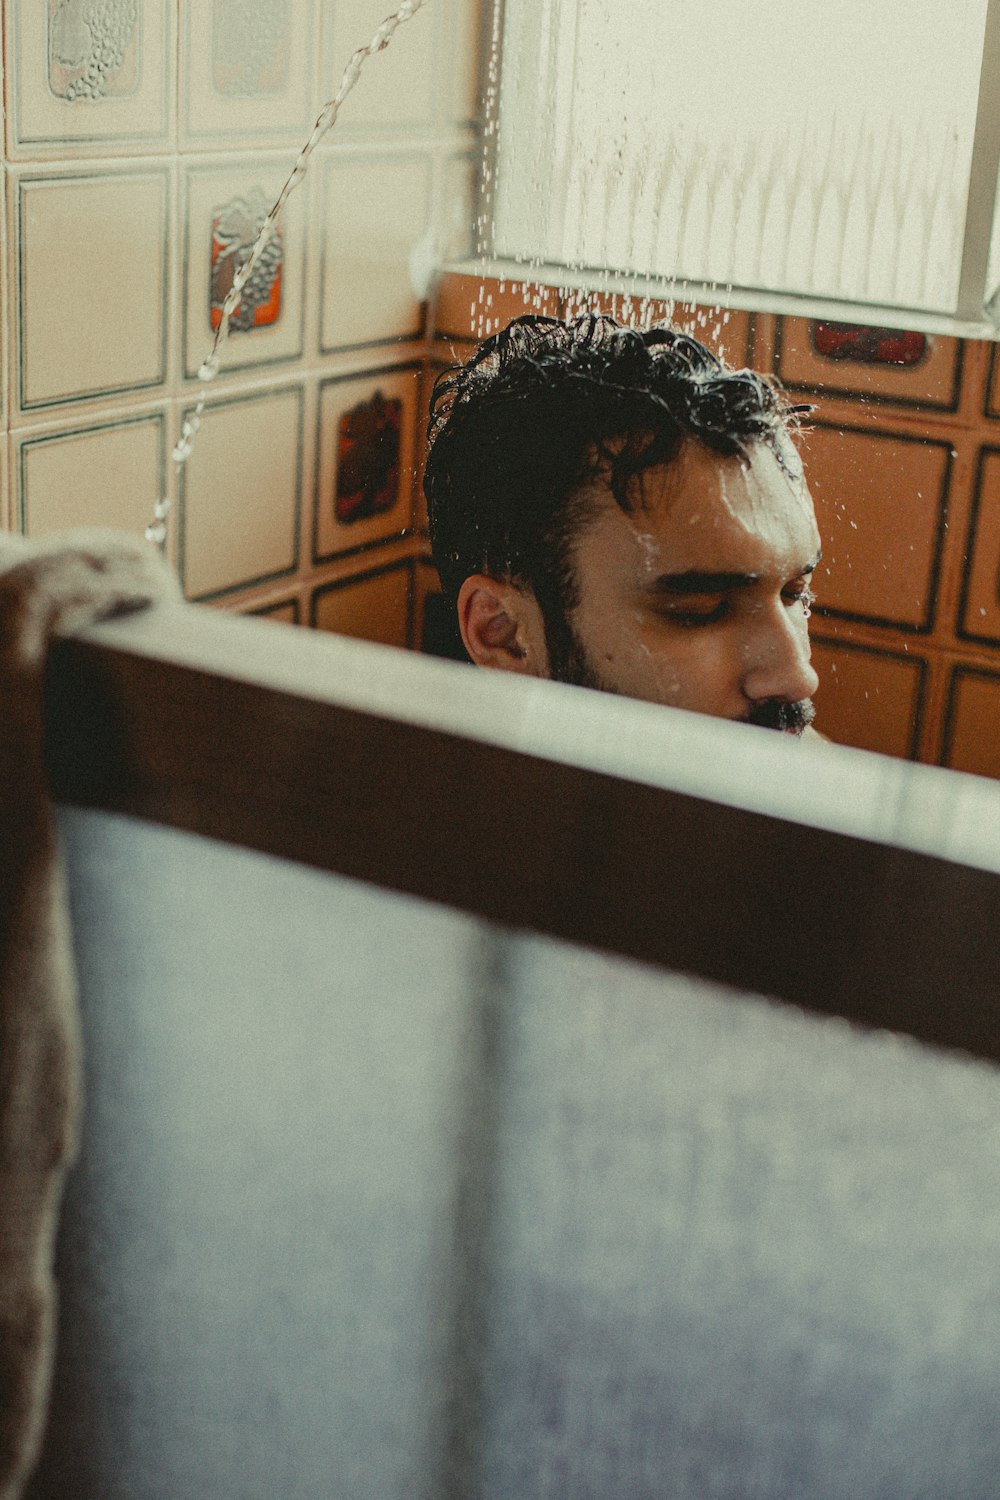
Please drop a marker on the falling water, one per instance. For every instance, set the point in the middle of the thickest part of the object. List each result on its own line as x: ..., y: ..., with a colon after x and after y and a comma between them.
x: 647, y: 171
x: 157, y: 531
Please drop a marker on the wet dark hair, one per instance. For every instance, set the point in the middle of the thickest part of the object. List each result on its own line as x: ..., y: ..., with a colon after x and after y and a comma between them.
x: 545, y: 406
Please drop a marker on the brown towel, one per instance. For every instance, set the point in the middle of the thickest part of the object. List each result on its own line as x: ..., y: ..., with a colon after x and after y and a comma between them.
x: 45, y: 589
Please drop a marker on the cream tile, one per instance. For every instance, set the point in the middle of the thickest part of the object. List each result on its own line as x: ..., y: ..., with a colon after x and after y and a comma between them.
x: 6, y: 508
x: 77, y: 90
x: 241, y: 493
x: 92, y: 285
x: 373, y: 607
x: 397, y: 86
x: 365, y: 455
x: 6, y: 282
x: 248, y: 71
x: 457, y: 208
x: 108, y: 473
x: 223, y: 213
x: 376, y: 250
x: 465, y: 30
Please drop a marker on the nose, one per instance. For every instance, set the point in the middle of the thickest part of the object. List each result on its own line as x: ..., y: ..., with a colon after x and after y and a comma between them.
x: 776, y: 661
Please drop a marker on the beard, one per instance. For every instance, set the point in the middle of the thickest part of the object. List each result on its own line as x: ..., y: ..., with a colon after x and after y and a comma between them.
x: 789, y: 718
x: 569, y: 662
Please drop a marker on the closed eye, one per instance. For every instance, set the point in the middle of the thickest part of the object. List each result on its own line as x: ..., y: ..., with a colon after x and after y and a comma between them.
x: 692, y: 618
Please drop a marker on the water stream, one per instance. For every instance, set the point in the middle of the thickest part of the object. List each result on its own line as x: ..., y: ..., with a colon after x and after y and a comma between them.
x: 157, y: 531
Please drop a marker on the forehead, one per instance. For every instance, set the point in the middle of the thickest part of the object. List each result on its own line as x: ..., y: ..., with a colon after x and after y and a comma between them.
x: 708, y: 513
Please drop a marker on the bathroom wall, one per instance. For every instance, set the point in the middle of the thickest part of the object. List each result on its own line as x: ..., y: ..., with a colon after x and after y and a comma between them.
x: 143, y: 141
x: 903, y: 459
x: 134, y: 169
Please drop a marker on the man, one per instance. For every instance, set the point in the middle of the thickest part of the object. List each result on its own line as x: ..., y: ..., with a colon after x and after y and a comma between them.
x: 616, y: 509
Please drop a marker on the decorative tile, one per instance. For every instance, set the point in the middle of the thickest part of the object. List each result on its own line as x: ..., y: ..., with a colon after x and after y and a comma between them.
x: 236, y: 226
x: 864, y: 345
x: 971, y: 741
x: 374, y: 606
x: 107, y: 473
x: 874, y: 364
x: 979, y: 610
x: 248, y: 69
x: 364, y: 463
x: 398, y: 85
x: 224, y: 212
x: 241, y: 493
x: 92, y: 283
x: 378, y: 255
x: 85, y: 73
x: 869, y: 698
x: 881, y: 544
x: 94, y: 50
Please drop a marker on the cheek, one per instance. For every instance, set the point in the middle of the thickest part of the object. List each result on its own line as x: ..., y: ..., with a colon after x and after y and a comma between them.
x: 689, y: 668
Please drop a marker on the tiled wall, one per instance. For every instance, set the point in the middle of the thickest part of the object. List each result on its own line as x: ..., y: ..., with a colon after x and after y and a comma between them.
x: 137, y: 160
x: 135, y: 165
x: 904, y: 465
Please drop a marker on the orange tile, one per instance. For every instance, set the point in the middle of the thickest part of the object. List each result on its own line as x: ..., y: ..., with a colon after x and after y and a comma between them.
x: 880, y: 503
x: 979, y: 618
x: 473, y: 307
x: 374, y: 606
x: 869, y: 698
x: 972, y: 725
x: 993, y: 386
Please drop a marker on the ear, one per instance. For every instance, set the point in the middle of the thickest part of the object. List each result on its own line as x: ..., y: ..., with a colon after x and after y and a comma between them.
x: 502, y: 626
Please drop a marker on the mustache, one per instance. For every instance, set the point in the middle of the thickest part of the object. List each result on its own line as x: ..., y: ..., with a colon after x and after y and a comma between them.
x: 775, y: 713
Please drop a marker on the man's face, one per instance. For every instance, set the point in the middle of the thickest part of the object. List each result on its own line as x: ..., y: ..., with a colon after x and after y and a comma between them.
x: 698, y: 598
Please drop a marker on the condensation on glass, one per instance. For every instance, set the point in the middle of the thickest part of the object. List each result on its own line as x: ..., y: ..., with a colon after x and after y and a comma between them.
x: 788, y: 147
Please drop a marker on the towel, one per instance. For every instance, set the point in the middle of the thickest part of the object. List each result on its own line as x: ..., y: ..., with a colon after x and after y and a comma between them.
x: 46, y: 589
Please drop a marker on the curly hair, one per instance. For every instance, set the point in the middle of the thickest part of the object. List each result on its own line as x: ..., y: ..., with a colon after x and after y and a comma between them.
x: 544, y: 407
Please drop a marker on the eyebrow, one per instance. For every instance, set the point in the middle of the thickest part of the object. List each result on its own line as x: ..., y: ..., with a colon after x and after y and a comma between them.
x: 695, y: 582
